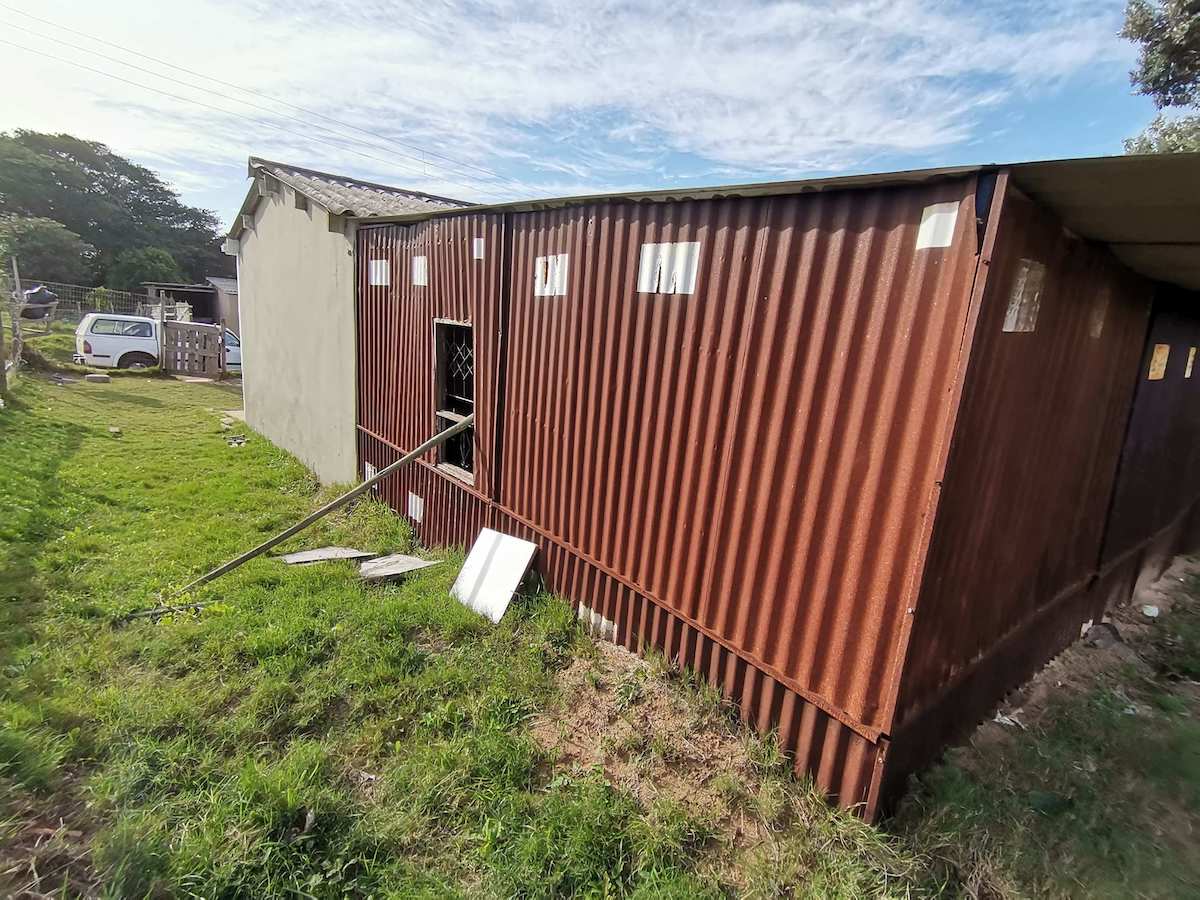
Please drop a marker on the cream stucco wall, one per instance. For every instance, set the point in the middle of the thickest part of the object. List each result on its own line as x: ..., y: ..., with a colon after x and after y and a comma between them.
x: 296, y: 299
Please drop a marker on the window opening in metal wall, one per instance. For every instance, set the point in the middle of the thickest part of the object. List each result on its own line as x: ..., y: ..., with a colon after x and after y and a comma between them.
x: 454, y: 352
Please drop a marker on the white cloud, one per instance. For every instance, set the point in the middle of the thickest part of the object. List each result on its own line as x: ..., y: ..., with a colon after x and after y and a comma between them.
x: 568, y: 96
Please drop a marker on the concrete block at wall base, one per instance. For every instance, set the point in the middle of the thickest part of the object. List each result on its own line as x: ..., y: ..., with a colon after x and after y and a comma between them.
x: 596, y: 624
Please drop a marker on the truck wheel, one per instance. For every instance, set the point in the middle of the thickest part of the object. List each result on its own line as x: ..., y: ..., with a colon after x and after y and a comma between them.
x: 136, y: 361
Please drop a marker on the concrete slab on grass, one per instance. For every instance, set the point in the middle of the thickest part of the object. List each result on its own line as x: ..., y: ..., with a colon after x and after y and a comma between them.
x: 321, y: 554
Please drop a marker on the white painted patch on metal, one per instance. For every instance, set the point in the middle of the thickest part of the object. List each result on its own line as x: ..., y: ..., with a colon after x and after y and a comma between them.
x: 550, y: 275
x: 477, y: 248
x: 416, y: 507
x: 1187, y: 372
x: 379, y: 272
x: 1025, y: 299
x: 596, y: 624
x: 669, y: 268
x: 393, y: 566
x: 492, y: 573
x: 937, y: 225
x: 420, y: 271
x: 369, y: 471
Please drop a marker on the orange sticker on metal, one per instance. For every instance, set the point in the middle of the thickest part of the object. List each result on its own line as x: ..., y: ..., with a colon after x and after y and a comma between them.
x: 1158, y: 362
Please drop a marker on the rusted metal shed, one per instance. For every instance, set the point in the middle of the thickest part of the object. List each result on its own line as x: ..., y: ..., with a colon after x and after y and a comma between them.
x: 848, y: 447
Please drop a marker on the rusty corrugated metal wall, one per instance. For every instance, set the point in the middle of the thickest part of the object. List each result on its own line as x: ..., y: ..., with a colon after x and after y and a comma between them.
x: 752, y: 456
x: 1017, y: 542
x: 396, y: 320
x: 737, y: 476
x: 748, y: 477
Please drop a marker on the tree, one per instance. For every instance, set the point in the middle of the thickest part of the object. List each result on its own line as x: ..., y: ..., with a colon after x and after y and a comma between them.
x: 132, y: 267
x: 114, y: 204
x: 46, y: 249
x: 1169, y: 62
x: 1163, y: 135
x: 1168, y: 70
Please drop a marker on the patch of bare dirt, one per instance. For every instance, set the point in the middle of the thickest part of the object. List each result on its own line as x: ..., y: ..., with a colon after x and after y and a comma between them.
x: 1120, y: 639
x: 45, y: 847
x: 654, y: 737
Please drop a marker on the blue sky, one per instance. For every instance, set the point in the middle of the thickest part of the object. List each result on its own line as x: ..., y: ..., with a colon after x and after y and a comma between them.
x: 495, y: 99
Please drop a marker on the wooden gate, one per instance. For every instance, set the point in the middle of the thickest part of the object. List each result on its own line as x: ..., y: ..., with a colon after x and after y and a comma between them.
x: 192, y: 349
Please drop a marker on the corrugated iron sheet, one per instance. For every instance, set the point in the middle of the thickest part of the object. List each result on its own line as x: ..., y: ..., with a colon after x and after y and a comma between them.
x: 756, y: 457
x: 1021, y: 518
x: 395, y: 327
x: 746, y: 476
x: 741, y: 476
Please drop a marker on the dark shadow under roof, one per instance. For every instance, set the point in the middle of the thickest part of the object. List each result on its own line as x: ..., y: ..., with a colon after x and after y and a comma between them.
x: 1146, y: 208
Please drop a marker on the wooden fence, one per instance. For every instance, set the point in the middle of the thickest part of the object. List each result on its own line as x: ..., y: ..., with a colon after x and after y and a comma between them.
x: 189, y: 348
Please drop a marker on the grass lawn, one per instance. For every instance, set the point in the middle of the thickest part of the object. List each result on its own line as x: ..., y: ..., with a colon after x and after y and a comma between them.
x: 57, y: 347
x: 309, y: 736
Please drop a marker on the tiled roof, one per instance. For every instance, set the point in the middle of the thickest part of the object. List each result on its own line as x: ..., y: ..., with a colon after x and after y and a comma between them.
x: 344, y: 196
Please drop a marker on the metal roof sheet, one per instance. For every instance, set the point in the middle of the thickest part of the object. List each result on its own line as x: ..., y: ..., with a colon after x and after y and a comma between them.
x: 221, y: 282
x: 344, y: 196
x: 1146, y: 207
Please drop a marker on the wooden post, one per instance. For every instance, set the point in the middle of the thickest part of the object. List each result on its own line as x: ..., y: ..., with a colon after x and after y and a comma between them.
x: 162, y: 333
x: 221, y: 349
x: 17, y: 340
x: 4, y: 302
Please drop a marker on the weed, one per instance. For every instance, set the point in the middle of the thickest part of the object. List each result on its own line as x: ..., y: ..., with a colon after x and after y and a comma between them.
x: 728, y: 787
x: 629, y: 689
x: 764, y: 754
x: 668, y: 838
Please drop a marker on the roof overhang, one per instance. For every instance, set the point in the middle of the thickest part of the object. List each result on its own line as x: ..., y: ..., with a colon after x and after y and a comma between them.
x: 175, y: 286
x: 1145, y: 207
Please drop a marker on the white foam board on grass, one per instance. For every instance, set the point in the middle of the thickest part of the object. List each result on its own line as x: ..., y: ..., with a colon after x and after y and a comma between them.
x: 492, y: 573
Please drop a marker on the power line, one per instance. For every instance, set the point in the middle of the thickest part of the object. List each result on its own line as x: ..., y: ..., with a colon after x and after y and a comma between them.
x: 264, y: 95
x: 474, y: 181
x: 226, y: 112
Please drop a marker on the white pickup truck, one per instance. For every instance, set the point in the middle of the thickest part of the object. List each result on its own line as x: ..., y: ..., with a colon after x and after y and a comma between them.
x: 109, y: 340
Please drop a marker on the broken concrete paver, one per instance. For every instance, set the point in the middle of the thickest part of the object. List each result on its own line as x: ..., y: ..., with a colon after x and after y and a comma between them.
x: 321, y: 554
x: 393, y: 566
